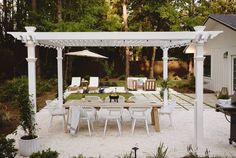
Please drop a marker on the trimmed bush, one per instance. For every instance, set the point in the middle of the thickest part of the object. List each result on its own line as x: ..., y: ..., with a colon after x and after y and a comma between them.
x: 45, y: 154
x: 7, y: 148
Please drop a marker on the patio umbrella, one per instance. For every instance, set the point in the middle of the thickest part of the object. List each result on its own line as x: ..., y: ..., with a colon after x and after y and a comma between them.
x: 86, y: 53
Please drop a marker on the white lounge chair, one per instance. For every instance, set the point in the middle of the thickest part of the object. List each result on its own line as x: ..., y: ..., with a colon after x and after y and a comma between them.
x: 55, y: 110
x: 93, y: 83
x: 168, y: 109
x: 75, y: 83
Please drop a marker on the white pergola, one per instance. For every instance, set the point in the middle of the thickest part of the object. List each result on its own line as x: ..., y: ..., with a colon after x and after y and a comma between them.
x: 164, y: 40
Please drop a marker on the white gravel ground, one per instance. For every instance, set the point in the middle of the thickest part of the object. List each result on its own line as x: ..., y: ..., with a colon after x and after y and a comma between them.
x: 176, y: 138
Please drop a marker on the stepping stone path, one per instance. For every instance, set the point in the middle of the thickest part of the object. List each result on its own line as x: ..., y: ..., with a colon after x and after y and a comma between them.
x: 184, y: 101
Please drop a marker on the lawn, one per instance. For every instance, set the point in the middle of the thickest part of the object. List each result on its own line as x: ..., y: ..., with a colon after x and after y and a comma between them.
x: 77, y: 96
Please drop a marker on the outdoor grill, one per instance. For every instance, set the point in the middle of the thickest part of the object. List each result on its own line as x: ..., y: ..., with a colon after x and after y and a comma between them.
x: 229, y: 109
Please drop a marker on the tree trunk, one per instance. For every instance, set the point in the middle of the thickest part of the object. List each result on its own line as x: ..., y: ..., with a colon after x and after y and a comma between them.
x: 38, y: 66
x: 59, y: 14
x: 125, y: 21
x: 151, y: 73
x: 34, y: 5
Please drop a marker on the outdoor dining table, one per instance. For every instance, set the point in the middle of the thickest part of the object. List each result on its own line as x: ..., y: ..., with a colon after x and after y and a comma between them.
x: 98, y: 105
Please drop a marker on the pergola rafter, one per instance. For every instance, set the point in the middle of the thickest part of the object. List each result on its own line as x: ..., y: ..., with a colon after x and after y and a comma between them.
x: 164, y: 40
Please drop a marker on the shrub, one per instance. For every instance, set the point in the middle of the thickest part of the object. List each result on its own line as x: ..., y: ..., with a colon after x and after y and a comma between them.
x: 161, y: 152
x: 192, y: 153
x: 4, y: 118
x: 45, y: 154
x: 7, y: 148
x: 121, y: 77
x: 9, y: 90
x: 164, y: 86
x: 26, y: 113
x: 44, y: 85
x: 80, y: 156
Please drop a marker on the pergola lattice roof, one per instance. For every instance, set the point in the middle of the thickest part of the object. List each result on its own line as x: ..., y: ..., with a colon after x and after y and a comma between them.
x: 119, y: 39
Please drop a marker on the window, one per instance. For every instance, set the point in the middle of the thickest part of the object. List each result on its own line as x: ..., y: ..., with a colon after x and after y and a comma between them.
x: 207, y: 66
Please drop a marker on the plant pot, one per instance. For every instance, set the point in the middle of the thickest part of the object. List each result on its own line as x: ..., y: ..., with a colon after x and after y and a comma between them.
x: 29, y: 146
x: 224, y: 101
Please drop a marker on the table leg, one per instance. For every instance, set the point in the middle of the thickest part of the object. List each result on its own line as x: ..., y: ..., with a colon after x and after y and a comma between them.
x: 66, y: 123
x: 155, y: 119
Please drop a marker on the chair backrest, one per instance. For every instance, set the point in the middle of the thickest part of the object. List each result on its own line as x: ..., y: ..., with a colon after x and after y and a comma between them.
x: 142, y: 110
x: 169, y: 107
x: 75, y: 81
x: 137, y: 99
x: 53, y: 106
x: 93, y: 82
x: 93, y: 98
x: 171, y: 104
x: 121, y: 99
x: 113, y: 110
x: 150, y: 84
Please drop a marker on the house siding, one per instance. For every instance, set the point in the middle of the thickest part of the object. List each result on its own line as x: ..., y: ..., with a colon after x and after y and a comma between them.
x: 221, y: 68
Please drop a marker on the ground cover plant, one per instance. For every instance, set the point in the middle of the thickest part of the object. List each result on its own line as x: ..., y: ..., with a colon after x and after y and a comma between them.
x: 78, y: 96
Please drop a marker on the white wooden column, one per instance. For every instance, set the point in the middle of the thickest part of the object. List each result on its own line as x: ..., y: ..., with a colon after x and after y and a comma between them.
x: 60, y: 75
x: 165, y: 73
x: 198, y: 109
x: 31, y: 67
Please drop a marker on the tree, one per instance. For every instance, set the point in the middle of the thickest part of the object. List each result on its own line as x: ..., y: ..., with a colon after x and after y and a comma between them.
x: 125, y: 23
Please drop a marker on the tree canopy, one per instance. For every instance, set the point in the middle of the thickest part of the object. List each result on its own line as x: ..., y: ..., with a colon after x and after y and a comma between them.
x: 96, y: 15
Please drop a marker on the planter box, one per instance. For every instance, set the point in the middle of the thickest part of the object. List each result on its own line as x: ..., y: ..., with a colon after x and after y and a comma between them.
x: 224, y: 101
x: 27, y: 147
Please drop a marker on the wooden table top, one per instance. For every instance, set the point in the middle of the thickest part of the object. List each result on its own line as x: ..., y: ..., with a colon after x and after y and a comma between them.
x: 112, y: 104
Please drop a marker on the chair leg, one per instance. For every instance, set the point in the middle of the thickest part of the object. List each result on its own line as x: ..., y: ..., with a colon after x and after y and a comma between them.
x: 133, y: 125
x: 119, y: 126
x: 91, y: 122
x: 105, y: 128
x: 89, y: 127
x: 171, y: 123
x: 50, y: 123
x: 64, y: 120
x: 146, y: 122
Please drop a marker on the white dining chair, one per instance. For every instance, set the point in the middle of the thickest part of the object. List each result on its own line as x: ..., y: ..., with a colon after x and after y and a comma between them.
x: 140, y: 114
x: 168, y: 109
x: 88, y: 114
x: 112, y: 113
x: 55, y: 110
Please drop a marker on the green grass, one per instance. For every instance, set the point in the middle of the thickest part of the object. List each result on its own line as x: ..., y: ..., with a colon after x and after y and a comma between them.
x: 77, y: 96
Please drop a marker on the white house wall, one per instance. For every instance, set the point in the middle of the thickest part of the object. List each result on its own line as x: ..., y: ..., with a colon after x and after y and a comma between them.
x: 221, y: 68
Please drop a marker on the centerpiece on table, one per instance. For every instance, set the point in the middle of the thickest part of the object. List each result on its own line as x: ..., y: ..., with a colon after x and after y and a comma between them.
x: 114, y: 97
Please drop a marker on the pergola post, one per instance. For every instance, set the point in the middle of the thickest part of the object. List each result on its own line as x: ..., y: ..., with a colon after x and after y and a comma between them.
x: 198, y: 121
x: 165, y: 73
x: 31, y: 67
x: 60, y: 76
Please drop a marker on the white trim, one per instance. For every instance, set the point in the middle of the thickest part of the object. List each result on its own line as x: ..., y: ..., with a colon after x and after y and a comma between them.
x: 232, y: 73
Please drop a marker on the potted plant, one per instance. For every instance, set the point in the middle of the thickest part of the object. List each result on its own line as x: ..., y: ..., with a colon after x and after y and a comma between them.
x: 223, y: 97
x: 164, y: 86
x: 28, y: 143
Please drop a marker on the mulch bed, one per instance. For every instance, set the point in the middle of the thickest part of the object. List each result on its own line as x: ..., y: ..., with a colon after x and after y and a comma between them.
x: 10, y: 125
x: 190, y: 90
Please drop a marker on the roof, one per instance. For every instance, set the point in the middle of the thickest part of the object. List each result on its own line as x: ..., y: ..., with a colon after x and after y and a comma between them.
x: 228, y: 20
